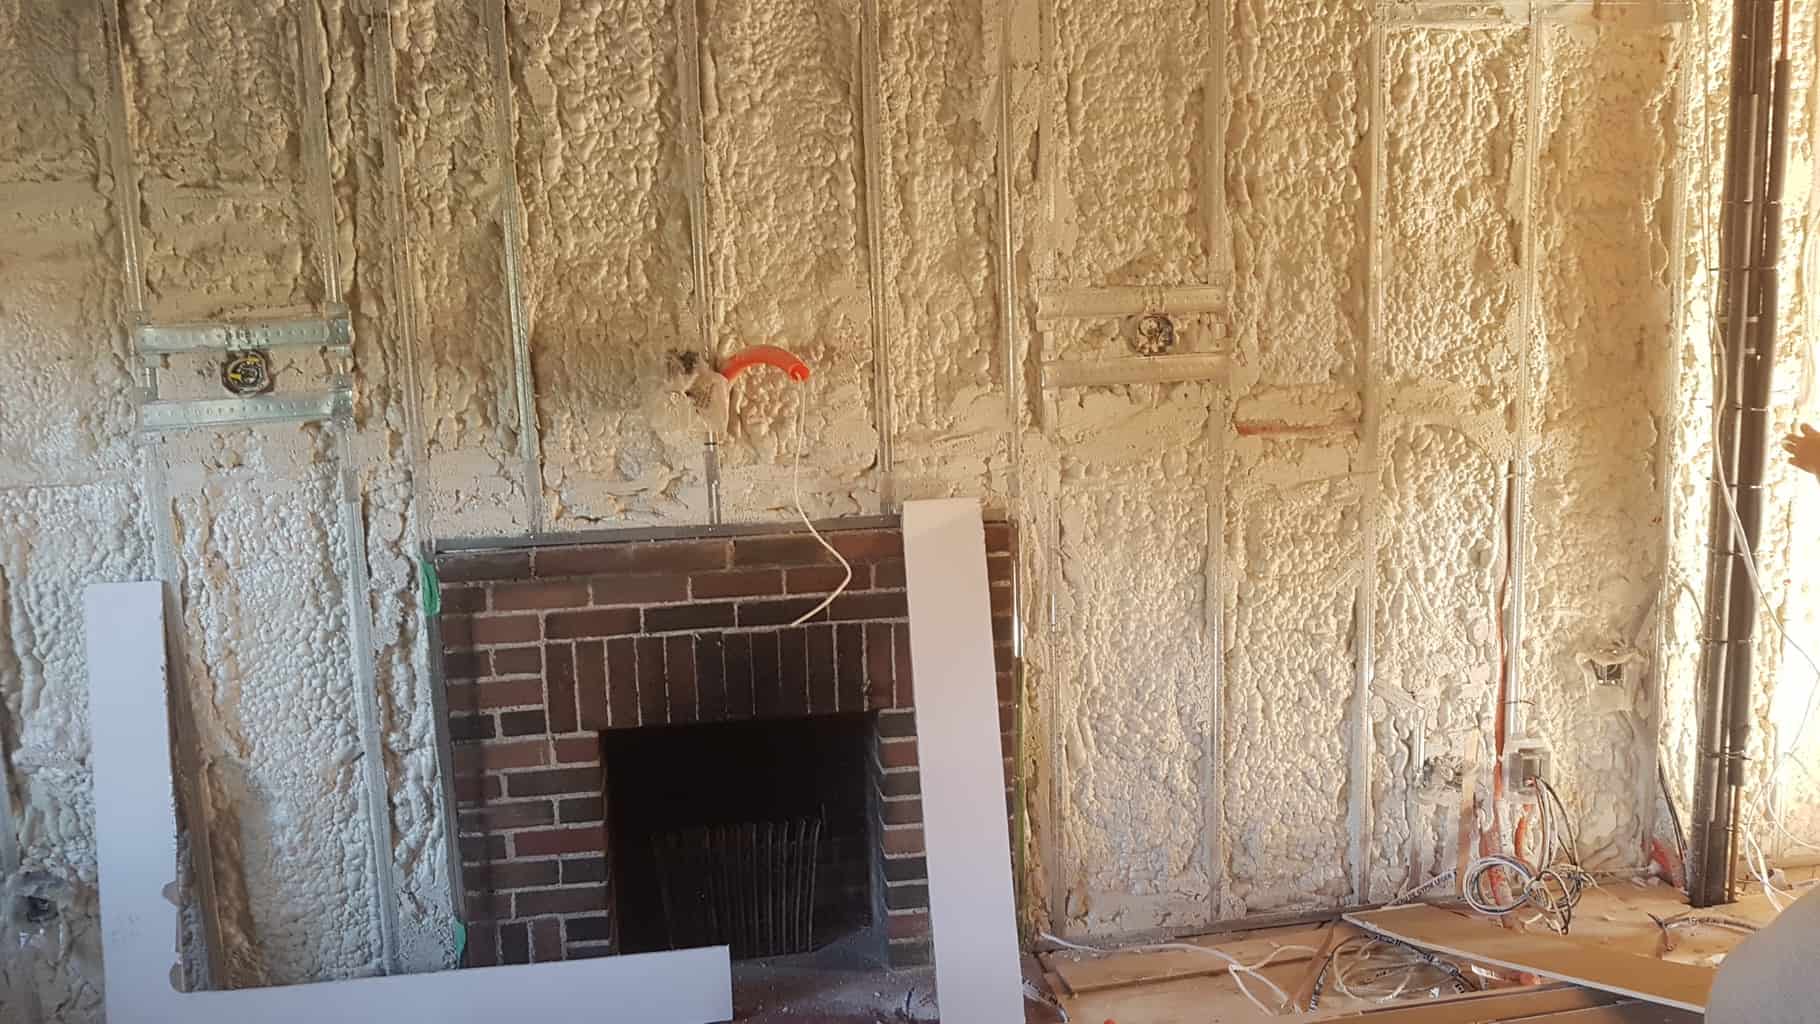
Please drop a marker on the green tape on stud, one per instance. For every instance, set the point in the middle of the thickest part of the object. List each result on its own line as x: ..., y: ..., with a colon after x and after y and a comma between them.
x: 432, y: 588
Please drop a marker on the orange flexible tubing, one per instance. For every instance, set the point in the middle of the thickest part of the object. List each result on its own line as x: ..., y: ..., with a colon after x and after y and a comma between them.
x: 767, y: 355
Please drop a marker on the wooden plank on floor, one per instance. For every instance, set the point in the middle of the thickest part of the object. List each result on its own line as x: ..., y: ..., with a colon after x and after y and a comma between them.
x: 1683, y: 986
x: 1521, y: 1004
x: 1089, y: 973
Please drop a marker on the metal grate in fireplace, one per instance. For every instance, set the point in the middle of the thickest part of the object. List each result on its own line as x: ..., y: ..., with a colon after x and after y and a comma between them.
x: 750, y: 886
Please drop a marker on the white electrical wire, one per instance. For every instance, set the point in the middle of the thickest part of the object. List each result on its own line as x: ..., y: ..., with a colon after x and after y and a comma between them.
x: 1234, y: 966
x: 796, y: 494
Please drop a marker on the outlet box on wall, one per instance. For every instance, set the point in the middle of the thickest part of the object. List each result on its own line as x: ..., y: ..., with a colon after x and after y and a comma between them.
x: 1527, y: 759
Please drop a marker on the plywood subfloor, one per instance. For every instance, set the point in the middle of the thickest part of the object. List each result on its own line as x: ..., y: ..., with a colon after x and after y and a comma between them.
x: 1616, y: 915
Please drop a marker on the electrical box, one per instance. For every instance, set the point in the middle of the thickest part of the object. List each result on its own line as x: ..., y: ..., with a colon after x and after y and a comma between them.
x: 1527, y: 759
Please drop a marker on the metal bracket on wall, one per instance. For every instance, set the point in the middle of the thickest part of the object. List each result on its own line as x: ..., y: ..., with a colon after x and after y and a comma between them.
x: 332, y: 332
x: 164, y: 417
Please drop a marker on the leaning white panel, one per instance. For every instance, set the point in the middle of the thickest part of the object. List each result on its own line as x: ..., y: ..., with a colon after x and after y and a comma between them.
x: 136, y: 828
x: 978, y: 978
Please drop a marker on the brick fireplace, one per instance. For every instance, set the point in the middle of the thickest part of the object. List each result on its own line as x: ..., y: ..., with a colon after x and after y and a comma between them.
x: 552, y: 651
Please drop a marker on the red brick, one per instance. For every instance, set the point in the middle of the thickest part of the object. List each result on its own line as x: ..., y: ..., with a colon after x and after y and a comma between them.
x: 679, y: 678
x: 902, y: 842
x: 463, y: 728
x: 900, y: 647
x: 499, y: 816
x: 823, y: 695
x: 463, y: 600
x: 515, y: 693
x: 1004, y: 659
x: 622, y: 682
x: 819, y: 579
x: 791, y: 549
x: 886, y: 605
x: 897, y: 753
x: 1007, y: 687
x: 881, y: 667
x: 590, y: 929
x: 554, y: 782
x: 710, y: 678
x: 576, y: 900
x: 515, y: 943
x: 678, y: 556
x: 521, y: 596
x: 594, y: 622
x: 888, y: 575
x: 578, y: 750
x: 484, y: 905
x: 906, y: 869
x: 504, y: 629
x: 653, y: 702
x: 747, y: 583
x: 483, y: 565
x: 559, y: 677
x: 580, y: 810
x: 792, y: 693
x: 518, y: 661
x: 677, y: 618
x: 1000, y: 569
x: 1000, y: 537
x: 481, y: 849
x: 483, y: 944
x: 497, y: 756
x: 767, y: 700
x: 522, y: 723
x: 546, y: 941
x: 1007, y: 718
x: 778, y: 613
x: 466, y: 665
x: 518, y: 874
x: 892, y: 724
x: 736, y: 660
x: 850, y: 667
x: 1000, y: 602
x: 609, y: 590
x: 868, y: 545
x: 471, y: 789
x: 912, y: 925
x: 590, y: 686
x: 1001, y: 631
x: 895, y: 783
x: 907, y: 896
x: 903, y: 812
x: 576, y: 870
x: 590, y: 839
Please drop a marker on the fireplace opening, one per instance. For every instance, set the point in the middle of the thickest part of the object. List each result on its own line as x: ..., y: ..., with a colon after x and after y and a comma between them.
x: 750, y: 834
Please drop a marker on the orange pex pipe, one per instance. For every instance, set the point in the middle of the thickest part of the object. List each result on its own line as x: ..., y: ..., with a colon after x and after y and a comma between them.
x: 767, y: 355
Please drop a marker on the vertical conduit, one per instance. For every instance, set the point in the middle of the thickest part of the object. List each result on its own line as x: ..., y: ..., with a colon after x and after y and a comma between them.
x: 313, y: 55
x: 511, y: 221
x: 193, y: 807
x: 1750, y: 239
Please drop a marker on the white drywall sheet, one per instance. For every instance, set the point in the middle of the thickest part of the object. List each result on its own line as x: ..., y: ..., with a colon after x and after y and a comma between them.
x: 137, y: 832
x: 977, y: 975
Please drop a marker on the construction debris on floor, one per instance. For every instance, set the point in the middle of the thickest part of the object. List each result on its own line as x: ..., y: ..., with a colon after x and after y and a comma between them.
x: 1636, y: 955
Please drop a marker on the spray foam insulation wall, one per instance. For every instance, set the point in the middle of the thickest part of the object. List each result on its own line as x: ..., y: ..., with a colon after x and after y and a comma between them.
x: 1441, y: 252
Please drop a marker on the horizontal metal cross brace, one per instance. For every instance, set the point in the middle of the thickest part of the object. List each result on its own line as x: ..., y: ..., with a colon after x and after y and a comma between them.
x: 1456, y: 14
x: 1121, y: 301
x: 159, y: 417
x: 333, y: 331
x: 1086, y: 373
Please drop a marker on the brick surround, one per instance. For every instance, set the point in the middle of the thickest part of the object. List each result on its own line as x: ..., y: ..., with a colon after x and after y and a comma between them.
x: 546, y: 648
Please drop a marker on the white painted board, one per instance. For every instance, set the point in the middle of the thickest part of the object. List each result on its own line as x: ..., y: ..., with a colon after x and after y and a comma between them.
x: 978, y: 979
x: 137, y: 829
